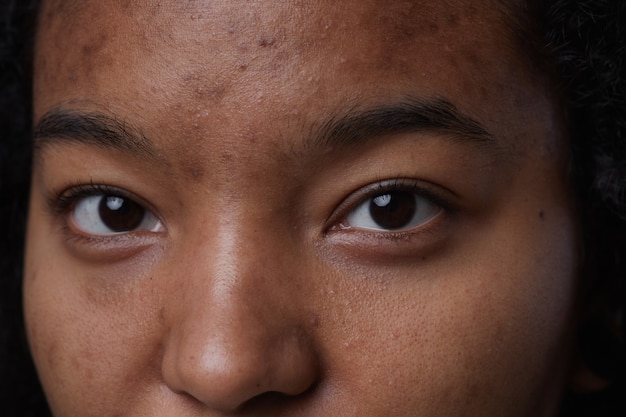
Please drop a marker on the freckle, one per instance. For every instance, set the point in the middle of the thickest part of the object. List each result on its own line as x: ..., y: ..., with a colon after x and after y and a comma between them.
x: 542, y: 215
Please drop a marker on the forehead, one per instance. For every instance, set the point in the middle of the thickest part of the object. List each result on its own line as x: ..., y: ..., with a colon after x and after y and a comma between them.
x: 202, y: 40
x: 214, y: 61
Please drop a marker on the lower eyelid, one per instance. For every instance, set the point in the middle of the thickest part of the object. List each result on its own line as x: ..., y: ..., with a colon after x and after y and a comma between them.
x: 390, y: 246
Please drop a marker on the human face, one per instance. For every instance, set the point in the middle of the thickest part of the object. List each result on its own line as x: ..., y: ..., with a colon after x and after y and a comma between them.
x: 312, y: 208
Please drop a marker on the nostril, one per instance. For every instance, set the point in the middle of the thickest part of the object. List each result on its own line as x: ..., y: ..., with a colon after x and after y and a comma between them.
x: 273, y: 401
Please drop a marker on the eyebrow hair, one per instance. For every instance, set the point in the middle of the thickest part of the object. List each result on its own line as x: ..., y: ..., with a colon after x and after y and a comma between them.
x: 353, y: 127
x: 96, y: 129
x: 408, y: 115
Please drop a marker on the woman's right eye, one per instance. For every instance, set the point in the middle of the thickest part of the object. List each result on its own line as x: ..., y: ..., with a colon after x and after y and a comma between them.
x: 109, y: 214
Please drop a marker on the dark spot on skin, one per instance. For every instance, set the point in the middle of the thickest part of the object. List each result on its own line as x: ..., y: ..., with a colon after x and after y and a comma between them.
x: 226, y: 157
x: 542, y: 214
x: 265, y: 41
x: 94, y: 46
x: 212, y: 92
x: 433, y: 28
x: 202, y: 89
x: 252, y: 137
x: 196, y: 172
x: 452, y: 20
x: 88, y: 49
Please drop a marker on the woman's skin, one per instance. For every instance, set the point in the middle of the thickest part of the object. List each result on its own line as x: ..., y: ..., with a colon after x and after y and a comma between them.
x: 256, y: 135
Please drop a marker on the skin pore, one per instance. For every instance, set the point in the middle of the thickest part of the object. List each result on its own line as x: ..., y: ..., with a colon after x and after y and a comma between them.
x: 251, y: 140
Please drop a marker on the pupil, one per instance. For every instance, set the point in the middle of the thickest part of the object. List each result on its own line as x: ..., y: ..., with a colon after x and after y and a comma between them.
x: 394, y: 210
x: 120, y: 214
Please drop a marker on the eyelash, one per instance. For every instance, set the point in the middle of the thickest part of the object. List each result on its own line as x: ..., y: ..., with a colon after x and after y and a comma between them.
x: 65, y: 201
x: 381, y: 187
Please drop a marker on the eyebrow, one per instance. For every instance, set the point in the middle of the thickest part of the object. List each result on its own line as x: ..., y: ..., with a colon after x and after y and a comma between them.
x: 91, y: 128
x: 352, y: 127
x: 406, y: 116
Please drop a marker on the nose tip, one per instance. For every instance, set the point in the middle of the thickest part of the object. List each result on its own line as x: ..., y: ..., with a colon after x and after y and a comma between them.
x: 226, y: 374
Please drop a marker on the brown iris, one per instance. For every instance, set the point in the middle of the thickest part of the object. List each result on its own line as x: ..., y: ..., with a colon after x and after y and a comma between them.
x: 393, y: 210
x: 120, y: 214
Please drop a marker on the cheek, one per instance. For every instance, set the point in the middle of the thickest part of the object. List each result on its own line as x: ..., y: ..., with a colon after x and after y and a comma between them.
x: 81, y: 344
x: 478, y: 333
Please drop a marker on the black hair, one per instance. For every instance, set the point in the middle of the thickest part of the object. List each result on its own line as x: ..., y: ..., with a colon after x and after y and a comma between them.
x: 20, y: 391
x: 584, y: 42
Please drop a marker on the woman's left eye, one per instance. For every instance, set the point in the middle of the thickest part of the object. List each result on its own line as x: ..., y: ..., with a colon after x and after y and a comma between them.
x: 392, y: 211
x: 112, y: 214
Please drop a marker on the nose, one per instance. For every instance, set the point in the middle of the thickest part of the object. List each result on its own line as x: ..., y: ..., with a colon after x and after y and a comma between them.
x: 235, y: 331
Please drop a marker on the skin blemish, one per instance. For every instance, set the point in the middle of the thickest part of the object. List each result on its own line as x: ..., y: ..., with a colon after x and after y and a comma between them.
x: 542, y: 215
x: 201, y: 89
x: 212, y: 92
x: 452, y: 20
x: 196, y: 172
x: 92, y: 47
x: 265, y: 41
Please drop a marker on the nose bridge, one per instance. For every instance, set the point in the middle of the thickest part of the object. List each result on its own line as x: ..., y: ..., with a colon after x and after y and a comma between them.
x: 233, y: 332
